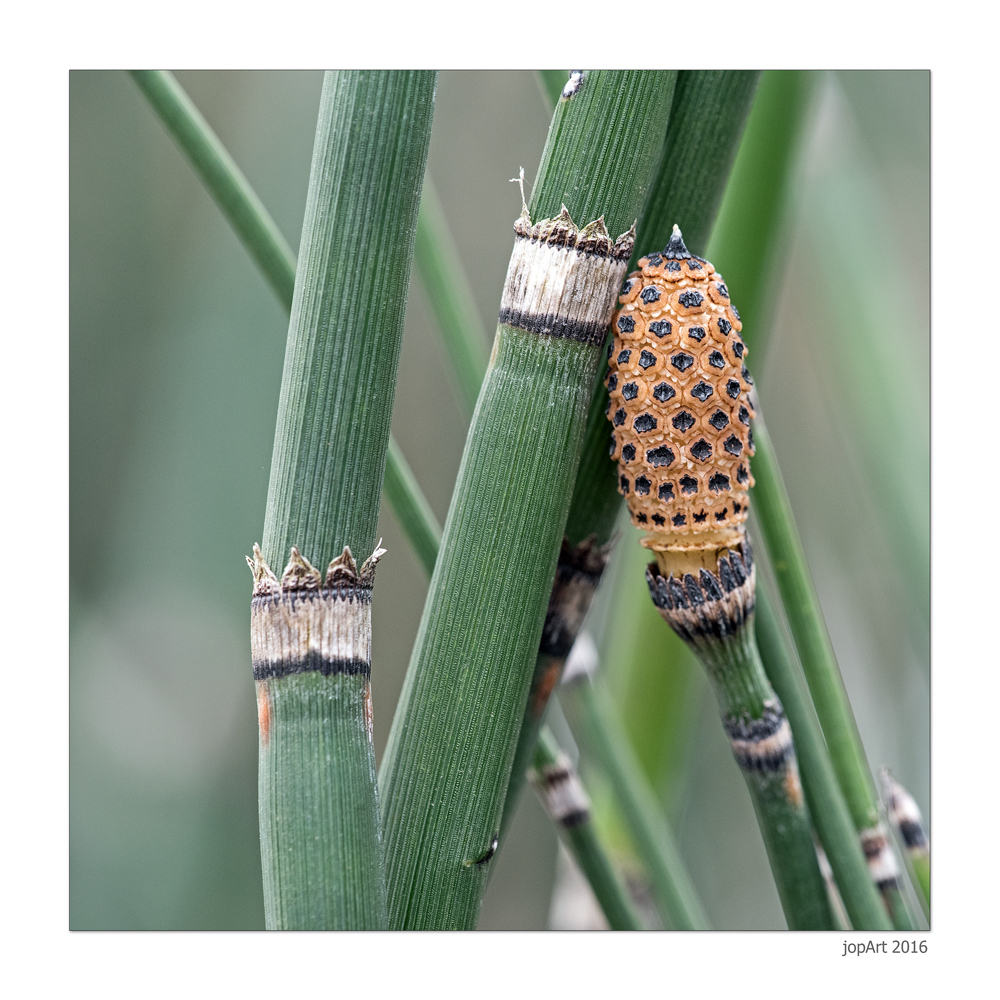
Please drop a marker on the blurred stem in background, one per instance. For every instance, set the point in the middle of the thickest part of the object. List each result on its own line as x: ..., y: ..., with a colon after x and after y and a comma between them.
x: 608, y: 746
x: 563, y: 796
x: 452, y: 743
x: 827, y: 806
x: 878, y: 317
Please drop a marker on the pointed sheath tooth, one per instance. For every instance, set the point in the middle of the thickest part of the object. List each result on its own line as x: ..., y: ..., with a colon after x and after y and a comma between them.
x: 300, y: 574
x: 595, y: 230
x: 739, y: 570
x: 677, y: 592
x: 652, y: 582
x: 367, y: 574
x: 342, y: 570
x: 664, y: 591
x: 710, y: 585
x: 264, y: 580
x: 695, y: 596
x: 747, y: 553
x: 622, y: 249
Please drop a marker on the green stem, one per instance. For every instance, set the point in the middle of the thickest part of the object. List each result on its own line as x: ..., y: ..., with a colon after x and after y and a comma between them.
x: 827, y: 806
x: 812, y: 642
x: 260, y: 234
x: 692, y: 172
x: 222, y: 178
x: 453, y: 739
x: 450, y: 297
x: 411, y: 507
x: 751, y: 713
x: 559, y: 788
x: 320, y: 837
x: 706, y: 126
x: 748, y: 238
x: 602, y: 734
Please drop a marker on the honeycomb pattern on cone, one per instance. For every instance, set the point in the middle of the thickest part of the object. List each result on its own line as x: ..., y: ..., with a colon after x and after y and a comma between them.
x: 680, y: 408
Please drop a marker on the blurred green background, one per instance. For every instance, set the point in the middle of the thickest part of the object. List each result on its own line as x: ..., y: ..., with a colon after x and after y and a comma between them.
x: 176, y: 347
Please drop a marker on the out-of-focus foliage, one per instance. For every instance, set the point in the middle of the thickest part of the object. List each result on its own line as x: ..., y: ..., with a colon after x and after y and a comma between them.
x: 176, y: 347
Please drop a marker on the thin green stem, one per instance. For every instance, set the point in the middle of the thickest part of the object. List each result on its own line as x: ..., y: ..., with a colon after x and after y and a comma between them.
x: 411, y: 507
x: 749, y: 236
x: 450, y: 297
x: 222, y: 178
x: 609, y: 747
x: 827, y: 805
x: 559, y: 788
x: 762, y: 744
x: 260, y: 234
x: 812, y: 642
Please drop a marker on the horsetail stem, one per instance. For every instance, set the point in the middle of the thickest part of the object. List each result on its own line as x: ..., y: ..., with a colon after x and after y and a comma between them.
x: 819, y: 664
x: 558, y: 786
x: 452, y: 743
x: 827, y: 806
x: 608, y: 745
x: 708, y: 110
x: 752, y: 229
x: 904, y: 814
x: 311, y: 635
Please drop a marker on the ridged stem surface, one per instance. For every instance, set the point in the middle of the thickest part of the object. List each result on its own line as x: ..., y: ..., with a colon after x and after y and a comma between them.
x: 452, y: 743
x: 743, y: 691
x: 320, y: 838
x: 346, y: 325
x: 446, y: 764
x: 746, y: 243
